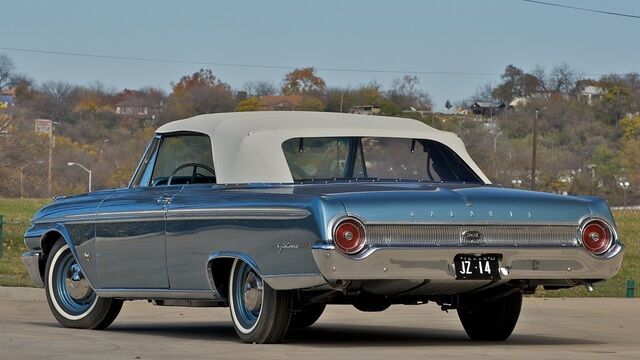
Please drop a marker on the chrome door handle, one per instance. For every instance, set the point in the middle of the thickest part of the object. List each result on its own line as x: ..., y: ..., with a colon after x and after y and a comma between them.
x: 164, y: 200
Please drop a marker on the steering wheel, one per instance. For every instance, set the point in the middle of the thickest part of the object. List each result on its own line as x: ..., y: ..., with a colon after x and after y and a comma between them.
x: 194, y: 174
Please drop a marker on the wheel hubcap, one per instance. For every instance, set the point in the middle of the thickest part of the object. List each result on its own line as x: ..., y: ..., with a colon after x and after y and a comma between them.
x: 248, y: 291
x: 71, y: 288
x: 76, y: 283
x: 253, y: 293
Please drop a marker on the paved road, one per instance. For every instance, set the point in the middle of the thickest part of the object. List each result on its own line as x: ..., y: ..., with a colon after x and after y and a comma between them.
x: 548, y: 329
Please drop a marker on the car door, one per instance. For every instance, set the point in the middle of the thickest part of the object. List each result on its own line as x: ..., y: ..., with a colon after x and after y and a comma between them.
x: 192, y: 233
x: 187, y: 251
x: 131, y: 224
x: 130, y: 238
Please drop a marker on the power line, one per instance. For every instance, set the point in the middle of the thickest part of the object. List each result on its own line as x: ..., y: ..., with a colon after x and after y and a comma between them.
x: 259, y: 66
x: 583, y: 9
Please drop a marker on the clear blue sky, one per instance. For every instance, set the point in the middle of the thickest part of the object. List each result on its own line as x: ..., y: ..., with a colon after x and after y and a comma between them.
x: 436, y: 35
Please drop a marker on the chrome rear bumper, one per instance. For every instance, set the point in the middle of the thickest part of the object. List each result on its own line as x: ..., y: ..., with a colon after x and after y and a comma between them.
x: 437, y: 263
x: 31, y: 261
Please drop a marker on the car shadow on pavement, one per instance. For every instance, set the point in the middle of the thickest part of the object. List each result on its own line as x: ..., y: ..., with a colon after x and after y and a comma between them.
x: 339, y: 335
x: 346, y: 335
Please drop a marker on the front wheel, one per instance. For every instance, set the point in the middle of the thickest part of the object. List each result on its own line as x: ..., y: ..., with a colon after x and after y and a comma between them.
x: 260, y: 314
x: 70, y: 296
x: 492, y: 320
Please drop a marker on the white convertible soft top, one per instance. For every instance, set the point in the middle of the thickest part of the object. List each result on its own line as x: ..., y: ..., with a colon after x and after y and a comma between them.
x: 247, y: 146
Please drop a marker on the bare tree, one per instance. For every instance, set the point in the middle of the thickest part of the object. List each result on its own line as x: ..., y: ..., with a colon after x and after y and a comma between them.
x: 405, y: 92
x: 58, y: 90
x: 6, y: 71
x: 561, y: 79
x: 540, y: 74
x: 483, y: 93
x: 260, y: 88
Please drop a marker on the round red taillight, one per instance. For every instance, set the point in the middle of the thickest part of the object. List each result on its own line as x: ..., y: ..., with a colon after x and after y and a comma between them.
x: 597, y: 237
x: 349, y: 236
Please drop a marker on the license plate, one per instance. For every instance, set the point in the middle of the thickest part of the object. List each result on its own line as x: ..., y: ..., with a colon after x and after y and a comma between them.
x: 477, y: 267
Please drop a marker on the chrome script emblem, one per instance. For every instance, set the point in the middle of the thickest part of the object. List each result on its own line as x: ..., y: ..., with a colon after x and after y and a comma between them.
x: 471, y: 237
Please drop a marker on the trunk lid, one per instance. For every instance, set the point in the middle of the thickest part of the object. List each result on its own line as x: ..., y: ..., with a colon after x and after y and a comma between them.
x: 459, y: 203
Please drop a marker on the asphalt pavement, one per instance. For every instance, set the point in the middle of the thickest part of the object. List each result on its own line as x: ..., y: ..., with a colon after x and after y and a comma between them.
x: 588, y: 328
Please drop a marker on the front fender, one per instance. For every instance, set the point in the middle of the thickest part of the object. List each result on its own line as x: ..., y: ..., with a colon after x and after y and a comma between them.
x: 41, y: 237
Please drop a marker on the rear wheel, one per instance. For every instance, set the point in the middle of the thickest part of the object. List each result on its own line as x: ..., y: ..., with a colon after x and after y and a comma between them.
x: 260, y: 314
x: 70, y: 296
x: 493, y: 320
x: 306, y: 315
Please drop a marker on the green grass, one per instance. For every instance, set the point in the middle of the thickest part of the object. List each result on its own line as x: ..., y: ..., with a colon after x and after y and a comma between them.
x: 628, y: 222
x: 18, y: 212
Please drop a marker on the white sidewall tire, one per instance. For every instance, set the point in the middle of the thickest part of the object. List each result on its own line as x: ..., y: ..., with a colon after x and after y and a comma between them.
x: 231, y: 295
x: 54, y: 298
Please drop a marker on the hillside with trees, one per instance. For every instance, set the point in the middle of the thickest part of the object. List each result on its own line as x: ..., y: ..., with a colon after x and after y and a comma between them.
x: 587, y: 129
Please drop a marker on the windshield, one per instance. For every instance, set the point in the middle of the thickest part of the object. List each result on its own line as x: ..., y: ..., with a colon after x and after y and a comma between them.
x: 362, y: 158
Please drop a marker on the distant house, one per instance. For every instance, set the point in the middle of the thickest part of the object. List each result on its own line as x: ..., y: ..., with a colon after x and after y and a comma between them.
x: 139, y: 105
x: 461, y: 111
x: 519, y: 101
x: 524, y: 100
x: 6, y: 99
x: 591, y: 93
x: 280, y: 102
x: 366, y: 110
x: 487, y: 108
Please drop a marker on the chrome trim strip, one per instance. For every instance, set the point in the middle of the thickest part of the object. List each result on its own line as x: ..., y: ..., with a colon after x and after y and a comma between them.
x: 31, y: 261
x: 243, y: 213
x: 474, y: 222
x: 72, y: 219
x: 294, y: 281
x: 322, y: 246
x: 131, y: 216
x: 156, y: 294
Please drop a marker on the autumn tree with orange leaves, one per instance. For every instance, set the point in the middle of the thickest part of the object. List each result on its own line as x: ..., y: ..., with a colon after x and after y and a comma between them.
x: 200, y: 93
x: 303, y: 82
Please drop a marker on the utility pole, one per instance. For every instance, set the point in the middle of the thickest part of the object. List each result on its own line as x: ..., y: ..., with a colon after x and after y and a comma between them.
x: 341, y: 101
x: 50, y: 161
x: 533, y: 153
x: 495, y: 149
x: 46, y: 128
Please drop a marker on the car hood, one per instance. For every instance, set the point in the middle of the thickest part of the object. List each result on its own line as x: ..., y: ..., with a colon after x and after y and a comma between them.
x: 460, y: 203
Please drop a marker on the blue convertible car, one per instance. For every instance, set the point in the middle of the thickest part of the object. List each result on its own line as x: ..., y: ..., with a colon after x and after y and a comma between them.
x: 278, y: 214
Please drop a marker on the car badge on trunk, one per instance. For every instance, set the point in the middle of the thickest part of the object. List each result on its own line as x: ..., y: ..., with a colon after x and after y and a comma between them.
x: 471, y: 237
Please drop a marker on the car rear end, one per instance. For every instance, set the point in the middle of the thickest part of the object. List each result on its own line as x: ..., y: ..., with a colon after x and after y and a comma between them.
x: 456, y: 240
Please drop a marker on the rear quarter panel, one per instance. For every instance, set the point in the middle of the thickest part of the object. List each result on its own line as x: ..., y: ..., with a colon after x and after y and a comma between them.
x: 205, y: 221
